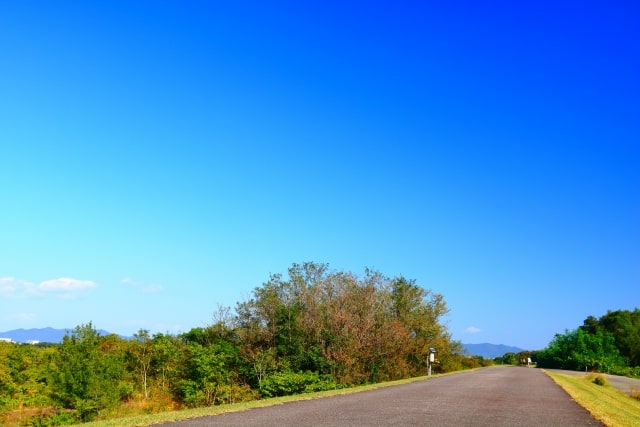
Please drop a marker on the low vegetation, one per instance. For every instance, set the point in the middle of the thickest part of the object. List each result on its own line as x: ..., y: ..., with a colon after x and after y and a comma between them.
x: 315, y: 330
x: 600, y: 380
x: 610, y: 406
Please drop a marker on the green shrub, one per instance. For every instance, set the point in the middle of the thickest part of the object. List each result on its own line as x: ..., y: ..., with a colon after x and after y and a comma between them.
x: 600, y: 380
x: 625, y: 371
x: 125, y: 390
x: 288, y: 383
x: 487, y: 362
x: 60, y: 418
x: 190, y: 395
x: 234, y: 393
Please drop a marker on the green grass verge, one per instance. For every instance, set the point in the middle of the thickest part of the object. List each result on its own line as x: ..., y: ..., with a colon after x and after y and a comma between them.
x: 613, y: 407
x: 150, y: 419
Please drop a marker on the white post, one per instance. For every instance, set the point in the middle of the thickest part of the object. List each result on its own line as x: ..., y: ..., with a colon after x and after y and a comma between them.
x: 430, y: 360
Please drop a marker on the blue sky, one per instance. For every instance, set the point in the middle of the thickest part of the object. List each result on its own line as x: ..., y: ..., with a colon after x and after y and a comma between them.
x: 161, y: 158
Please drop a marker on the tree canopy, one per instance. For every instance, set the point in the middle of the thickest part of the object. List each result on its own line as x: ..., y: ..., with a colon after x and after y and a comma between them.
x: 609, y: 343
x: 355, y: 329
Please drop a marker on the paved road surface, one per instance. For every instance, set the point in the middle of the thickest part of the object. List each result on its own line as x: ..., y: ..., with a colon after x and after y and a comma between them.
x: 500, y: 396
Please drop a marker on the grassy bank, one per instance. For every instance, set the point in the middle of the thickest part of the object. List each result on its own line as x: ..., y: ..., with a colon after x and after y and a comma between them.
x: 605, y: 403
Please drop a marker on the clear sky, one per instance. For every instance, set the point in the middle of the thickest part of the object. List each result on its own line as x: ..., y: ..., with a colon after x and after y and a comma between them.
x: 161, y: 158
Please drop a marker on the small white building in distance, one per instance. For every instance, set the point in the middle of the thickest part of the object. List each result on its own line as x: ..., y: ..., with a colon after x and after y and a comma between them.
x: 33, y: 342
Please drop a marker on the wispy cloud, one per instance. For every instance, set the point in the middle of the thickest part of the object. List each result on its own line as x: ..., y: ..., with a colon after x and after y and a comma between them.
x: 153, y: 289
x: 472, y: 330
x: 63, y: 287
x: 7, y: 285
x: 11, y: 287
x: 66, y: 284
x: 143, y: 287
x: 24, y: 317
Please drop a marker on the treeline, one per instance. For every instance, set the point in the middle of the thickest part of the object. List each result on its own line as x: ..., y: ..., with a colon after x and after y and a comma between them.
x: 313, y: 330
x: 610, y: 344
x: 520, y: 358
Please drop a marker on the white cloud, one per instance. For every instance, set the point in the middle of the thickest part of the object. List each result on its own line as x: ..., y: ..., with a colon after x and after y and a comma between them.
x: 7, y: 285
x: 63, y: 287
x: 66, y: 284
x: 66, y: 288
x: 472, y: 330
x: 11, y: 287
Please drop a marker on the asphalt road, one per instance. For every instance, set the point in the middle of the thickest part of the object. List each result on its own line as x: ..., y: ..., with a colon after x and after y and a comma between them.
x: 500, y: 396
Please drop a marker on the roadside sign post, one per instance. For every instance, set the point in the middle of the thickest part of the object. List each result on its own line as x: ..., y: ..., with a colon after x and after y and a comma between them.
x: 430, y: 360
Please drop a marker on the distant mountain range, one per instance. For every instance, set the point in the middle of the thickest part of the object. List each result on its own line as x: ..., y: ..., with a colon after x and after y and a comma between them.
x: 49, y: 335
x: 490, y: 351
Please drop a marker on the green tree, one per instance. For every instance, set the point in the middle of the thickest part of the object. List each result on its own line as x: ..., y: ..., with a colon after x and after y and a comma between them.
x: 8, y: 386
x: 624, y: 326
x: 211, y: 373
x: 270, y: 321
x: 86, y: 372
x: 141, y: 351
x: 591, y: 325
x: 169, y: 362
x: 509, y: 358
x: 579, y: 350
x: 420, y: 312
x: 357, y: 330
x: 23, y: 377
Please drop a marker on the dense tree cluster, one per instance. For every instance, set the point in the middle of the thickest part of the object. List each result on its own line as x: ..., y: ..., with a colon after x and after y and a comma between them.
x: 314, y: 330
x: 608, y: 344
x: 356, y: 330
